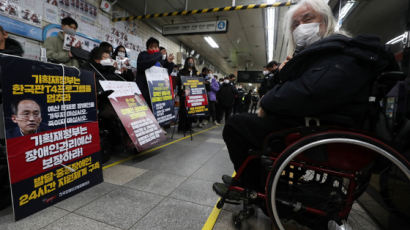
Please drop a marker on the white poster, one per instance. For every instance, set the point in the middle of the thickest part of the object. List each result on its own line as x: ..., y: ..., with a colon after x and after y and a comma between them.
x: 77, y: 41
x: 18, y: 10
x: 51, y: 14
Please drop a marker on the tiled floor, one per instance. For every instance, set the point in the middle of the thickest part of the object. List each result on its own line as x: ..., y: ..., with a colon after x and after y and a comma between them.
x: 170, y: 188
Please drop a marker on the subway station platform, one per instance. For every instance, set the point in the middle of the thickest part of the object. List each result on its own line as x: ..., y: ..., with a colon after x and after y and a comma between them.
x: 168, y: 187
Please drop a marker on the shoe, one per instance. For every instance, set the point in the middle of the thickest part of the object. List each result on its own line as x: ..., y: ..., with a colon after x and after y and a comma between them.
x: 205, y: 122
x: 227, y: 179
x: 222, y: 190
x: 216, y: 123
x: 200, y: 125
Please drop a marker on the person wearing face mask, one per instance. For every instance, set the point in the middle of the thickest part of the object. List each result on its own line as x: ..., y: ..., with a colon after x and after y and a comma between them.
x: 54, y: 45
x: 103, y: 65
x: 146, y: 59
x: 120, y: 55
x: 206, y: 74
x: 270, y: 78
x: 327, y: 76
x: 213, y: 90
x: 112, y: 134
x: 189, y: 70
x: 226, y: 100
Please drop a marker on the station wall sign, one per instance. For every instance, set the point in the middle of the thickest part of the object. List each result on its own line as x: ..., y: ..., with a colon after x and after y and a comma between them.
x: 220, y: 26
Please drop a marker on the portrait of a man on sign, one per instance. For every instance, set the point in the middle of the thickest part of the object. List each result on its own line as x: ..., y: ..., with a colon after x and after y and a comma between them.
x: 26, y: 114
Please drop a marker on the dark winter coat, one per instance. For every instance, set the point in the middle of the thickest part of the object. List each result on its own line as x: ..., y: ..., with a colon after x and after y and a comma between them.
x: 12, y: 47
x: 226, y: 95
x: 330, y: 79
x: 107, y: 73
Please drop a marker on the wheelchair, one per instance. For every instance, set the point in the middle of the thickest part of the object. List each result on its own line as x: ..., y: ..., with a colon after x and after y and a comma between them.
x: 316, y: 175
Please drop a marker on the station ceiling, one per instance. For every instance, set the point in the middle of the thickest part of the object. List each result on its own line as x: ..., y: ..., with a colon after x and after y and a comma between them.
x: 244, y: 45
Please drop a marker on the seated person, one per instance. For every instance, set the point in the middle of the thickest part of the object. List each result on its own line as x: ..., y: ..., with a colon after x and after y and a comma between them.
x: 54, y: 45
x: 8, y: 45
x: 107, y: 46
x: 101, y: 63
x: 329, y: 76
x: 103, y: 66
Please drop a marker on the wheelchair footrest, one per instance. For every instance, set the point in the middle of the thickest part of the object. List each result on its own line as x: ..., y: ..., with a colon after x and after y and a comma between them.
x: 223, y: 191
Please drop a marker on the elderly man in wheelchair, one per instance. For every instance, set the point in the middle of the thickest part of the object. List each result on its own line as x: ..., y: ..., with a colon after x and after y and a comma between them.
x: 310, y: 152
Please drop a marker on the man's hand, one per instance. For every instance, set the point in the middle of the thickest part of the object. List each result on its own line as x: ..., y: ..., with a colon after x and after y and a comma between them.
x: 70, y: 54
x: 171, y: 58
x: 284, y: 62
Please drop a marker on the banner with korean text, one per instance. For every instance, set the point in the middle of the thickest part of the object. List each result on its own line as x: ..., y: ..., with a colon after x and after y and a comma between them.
x: 196, y: 100
x: 52, y: 132
x: 135, y: 116
x: 161, y: 94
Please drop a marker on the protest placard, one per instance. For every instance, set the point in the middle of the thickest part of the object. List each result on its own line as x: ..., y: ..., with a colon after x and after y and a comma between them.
x: 52, y: 132
x: 135, y: 115
x: 161, y: 95
x: 196, y: 100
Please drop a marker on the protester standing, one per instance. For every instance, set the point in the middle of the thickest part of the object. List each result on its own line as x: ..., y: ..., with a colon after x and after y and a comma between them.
x: 226, y: 99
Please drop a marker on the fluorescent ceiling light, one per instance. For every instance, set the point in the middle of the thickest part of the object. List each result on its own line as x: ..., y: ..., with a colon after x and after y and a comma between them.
x: 344, y: 12
x: 211, y: 42
x: 270, y: 19
x: 395, y: 40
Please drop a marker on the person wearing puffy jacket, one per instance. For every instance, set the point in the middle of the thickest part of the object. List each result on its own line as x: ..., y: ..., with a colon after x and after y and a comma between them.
x: 329, y: 77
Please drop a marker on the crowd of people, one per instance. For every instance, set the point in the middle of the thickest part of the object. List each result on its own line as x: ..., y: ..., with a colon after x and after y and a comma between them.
x: 225, y: 97
x: 327, y: 75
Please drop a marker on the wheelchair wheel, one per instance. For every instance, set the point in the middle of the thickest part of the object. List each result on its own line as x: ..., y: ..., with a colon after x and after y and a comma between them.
x: 320, y: 195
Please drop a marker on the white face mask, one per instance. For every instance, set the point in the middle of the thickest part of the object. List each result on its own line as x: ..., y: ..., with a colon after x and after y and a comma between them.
x: 107, y: 62
x: 265, y: 72
x: 69, y: 31
x: 306, y: 34
x: 164, y: 56
x: 226, y: 81
x: 121, y: 54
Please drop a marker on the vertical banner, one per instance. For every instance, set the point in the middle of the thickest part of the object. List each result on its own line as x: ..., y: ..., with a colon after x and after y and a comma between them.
x: 52, y: 132
x: 135, y: 115
x: 161, y: 94
x: 196, y: 100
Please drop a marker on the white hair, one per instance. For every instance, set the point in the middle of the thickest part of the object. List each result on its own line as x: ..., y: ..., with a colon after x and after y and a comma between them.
x: 321, y: 7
